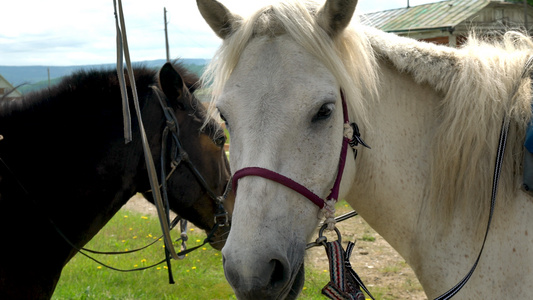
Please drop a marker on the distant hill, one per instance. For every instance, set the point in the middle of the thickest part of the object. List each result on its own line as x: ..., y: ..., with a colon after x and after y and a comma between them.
x: 30, y: 87
x: 36, y: 77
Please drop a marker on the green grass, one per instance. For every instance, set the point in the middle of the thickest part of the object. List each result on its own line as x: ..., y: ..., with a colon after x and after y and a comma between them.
x: 198, y: 276
x: 368, y: 238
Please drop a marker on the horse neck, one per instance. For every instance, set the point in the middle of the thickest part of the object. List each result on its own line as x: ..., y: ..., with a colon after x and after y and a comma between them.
x: 393, y: 181
x: 77, y: 136
x: 398, y: 165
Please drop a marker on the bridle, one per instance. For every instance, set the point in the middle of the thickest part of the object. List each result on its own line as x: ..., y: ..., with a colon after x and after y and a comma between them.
x: 340, y: 267
x: 179, y: 155
x: 351, y: 137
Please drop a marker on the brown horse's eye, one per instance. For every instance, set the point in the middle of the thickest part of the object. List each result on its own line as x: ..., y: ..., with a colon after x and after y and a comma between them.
x: 220, y: 140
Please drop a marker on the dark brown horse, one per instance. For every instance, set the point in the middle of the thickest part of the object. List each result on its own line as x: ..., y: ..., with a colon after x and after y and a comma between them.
x: 64, y: 161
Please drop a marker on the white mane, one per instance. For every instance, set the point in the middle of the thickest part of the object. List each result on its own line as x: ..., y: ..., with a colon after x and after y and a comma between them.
x: 481, y: 83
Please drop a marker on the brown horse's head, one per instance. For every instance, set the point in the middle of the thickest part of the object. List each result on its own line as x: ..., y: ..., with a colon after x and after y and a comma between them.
x: 197, y: 152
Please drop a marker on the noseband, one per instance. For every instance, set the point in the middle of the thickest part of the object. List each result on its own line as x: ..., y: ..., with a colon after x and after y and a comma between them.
x: 351, y: 137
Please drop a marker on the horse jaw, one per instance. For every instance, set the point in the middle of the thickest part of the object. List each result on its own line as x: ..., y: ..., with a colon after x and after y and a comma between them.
x: 271, y: 125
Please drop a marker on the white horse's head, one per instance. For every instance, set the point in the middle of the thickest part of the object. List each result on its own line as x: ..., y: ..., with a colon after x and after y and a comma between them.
x: 277, y: 82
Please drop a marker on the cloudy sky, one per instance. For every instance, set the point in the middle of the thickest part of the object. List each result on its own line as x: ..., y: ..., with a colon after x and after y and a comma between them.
x: 67, y: 32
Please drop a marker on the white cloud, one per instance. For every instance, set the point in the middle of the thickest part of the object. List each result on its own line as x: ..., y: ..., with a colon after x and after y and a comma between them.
x: 66, y: 32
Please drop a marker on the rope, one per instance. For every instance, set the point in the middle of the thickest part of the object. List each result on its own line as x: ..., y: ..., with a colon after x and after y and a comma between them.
x: 496, y: 177
x: 495, y: 180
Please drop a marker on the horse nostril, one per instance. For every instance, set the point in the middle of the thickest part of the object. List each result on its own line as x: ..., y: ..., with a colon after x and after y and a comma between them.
x: 253, y: 278
x: 278, y: 273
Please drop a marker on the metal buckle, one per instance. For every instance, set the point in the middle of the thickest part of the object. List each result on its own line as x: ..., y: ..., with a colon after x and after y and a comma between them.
x: 322, y: 240
x: 222, y: 219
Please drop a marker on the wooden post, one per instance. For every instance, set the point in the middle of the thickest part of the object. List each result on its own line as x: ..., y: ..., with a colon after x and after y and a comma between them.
x: 166, y: 34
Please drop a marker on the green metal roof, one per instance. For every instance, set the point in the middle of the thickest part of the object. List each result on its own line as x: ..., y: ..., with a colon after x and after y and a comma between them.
x: 444, y: 14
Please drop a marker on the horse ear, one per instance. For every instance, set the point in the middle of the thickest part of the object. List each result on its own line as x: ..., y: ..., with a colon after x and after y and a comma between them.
x: 219, y: 18
x: 172, y: 84
x: 335, y: 15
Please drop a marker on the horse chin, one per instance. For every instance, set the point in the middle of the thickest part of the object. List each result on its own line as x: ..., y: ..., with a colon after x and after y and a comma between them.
x: 219, y: 239
x: 297, y: 284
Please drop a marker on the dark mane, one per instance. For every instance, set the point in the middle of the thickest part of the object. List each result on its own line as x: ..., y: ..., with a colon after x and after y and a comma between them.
x: 84, y: 82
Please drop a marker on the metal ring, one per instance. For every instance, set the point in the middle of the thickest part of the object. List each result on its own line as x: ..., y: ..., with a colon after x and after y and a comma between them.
x: 321, y: 231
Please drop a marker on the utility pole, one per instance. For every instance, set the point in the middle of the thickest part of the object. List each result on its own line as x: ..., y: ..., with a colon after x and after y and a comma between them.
x: 525, y: 17
x: 408, y: 4
x: 166, y: 34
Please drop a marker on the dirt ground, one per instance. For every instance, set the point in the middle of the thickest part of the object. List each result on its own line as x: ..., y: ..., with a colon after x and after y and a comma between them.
x: 380, y: 267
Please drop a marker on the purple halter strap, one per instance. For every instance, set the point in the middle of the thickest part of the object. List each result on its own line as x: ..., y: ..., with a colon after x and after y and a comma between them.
x: 286, y: 181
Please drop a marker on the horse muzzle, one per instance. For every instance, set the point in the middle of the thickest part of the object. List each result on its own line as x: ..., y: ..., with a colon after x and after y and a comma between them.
x: 270, y: 276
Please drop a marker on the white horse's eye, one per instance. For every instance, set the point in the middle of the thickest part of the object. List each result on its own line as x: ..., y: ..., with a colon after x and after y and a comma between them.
x: 324, y: 112
x: 224, y: 119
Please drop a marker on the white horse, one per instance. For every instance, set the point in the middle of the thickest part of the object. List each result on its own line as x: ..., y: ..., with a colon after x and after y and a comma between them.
x: 432, y: 116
